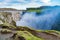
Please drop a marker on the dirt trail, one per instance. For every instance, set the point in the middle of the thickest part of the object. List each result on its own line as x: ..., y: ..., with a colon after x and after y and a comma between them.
x: 46, y: 36
x: 5, y: 36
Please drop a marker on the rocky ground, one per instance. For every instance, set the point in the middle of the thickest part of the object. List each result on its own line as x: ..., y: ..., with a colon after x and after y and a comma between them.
x: 24, y: 33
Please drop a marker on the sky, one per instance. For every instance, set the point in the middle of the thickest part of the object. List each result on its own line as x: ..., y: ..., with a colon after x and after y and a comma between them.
x: 23, y: 4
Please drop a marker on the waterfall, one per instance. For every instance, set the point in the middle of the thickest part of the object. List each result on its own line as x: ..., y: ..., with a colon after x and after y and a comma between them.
x: 47, y: 19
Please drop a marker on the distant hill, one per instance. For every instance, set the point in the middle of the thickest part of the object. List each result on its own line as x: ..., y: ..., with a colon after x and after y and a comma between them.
x: 8, y: 9
x: 12, y: 9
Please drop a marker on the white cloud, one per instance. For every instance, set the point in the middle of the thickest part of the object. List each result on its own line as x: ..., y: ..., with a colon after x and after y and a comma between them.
x: 17, y: 5
x: 45, y: 1
x: 24, y: 6
x: 31, y: 3
x: 21, y: 0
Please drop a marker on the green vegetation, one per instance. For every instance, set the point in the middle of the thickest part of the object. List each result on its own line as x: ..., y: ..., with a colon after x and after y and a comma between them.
x: 4, y: 31
x: 23, y: 32
x: 28, y: 33
x: 28, y: 36
x: 52, y: 31
x: 7, y: 25
x: 34, y: 10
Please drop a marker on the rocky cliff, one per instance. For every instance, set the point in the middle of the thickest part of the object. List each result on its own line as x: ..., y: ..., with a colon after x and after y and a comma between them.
x: 9, y: 15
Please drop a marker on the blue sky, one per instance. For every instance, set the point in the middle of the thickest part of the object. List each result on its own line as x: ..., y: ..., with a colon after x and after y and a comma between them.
x: 23, y: 4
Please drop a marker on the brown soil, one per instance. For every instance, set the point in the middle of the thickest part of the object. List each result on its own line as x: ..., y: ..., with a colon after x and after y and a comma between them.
x: 44, y: 35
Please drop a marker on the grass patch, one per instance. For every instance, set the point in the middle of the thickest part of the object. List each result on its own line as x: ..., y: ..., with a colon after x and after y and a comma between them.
x: 28, y: 36
x: 33, y: 10
x: 5, y: 31
x: 7, y: 25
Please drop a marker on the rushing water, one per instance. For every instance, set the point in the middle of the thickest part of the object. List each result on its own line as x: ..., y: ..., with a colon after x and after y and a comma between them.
x: 47, y: 19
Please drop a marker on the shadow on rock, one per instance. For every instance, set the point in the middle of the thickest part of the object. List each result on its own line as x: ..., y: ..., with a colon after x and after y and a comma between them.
x: 17, y: 37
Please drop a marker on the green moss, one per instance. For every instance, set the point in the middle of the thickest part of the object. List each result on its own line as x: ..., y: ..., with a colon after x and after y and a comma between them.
x: 2, y: 20
x: 7, y: 25
x: 28, y: 36
x: 27, y: 33
x: 52, y: 31
x: 33, y: 10
x: 4, y: 31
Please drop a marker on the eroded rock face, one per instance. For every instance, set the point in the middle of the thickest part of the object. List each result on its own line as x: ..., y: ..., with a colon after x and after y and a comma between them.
x: 5, y: 16
x: 9, y: 17
x: 1, y: 22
